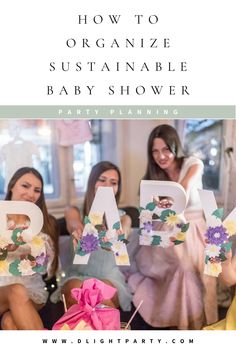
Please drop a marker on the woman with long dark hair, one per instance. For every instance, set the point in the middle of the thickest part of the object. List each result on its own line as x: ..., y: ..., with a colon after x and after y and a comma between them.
x: 177, y: 294
x: 101, y: 264
x: 21, y: 296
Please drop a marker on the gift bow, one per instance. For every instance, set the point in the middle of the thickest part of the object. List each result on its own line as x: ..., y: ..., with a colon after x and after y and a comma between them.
x: 93, y: 292
x: 89, y: 313
x: 90, y: 297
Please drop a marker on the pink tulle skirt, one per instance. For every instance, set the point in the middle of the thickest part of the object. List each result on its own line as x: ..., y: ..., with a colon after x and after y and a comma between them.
x: 172, y: 284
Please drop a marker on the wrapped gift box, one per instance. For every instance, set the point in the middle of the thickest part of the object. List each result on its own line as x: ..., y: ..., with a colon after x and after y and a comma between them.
x: 89, y: 313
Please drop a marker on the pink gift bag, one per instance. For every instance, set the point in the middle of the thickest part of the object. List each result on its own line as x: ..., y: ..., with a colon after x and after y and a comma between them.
x: 90, y: 313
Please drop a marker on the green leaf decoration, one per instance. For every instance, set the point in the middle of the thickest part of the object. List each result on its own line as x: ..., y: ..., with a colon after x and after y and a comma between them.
x: 207, y: 258
x: 227, y: 246
x: 78, y: 246
x: 80, y: 252
x: 121, y: 237
x: 3, y: 254
x: 222, y: 257
x: 151, y: 206
x: 116, y: 226
x: 156, y: 240
x: 177, y: 242
x: 102, y: 234
x: 13, y: 267
x: 184, y: 227
x: 106, y: 244
x: 166, y: 213
x: 86, y: 220
x: 140, y: 209
x: 218, y: 213
x: 39, y: 269
x: 14, y: 237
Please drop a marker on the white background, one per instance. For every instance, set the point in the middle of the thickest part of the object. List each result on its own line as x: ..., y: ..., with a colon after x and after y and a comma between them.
x: 163, y: 341
x: 34, y: 33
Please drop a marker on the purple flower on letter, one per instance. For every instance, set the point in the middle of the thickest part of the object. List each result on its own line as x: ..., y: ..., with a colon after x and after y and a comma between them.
x: 40, y: 260
x: 216, y: 235
x: 148, y: 226
x: 89, y: 243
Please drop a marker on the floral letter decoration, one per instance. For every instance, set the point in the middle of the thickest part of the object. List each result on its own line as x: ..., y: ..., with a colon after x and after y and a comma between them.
x: 96, y: 236
x: 217, y: 233
x: 158, y: 226
x: 21, y: 252
x: 217, y: 243
x: 171, y: 232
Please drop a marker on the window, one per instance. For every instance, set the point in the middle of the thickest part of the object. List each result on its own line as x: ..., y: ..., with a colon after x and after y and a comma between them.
x: 101, y: 147
x: 85, y: 156
x: 203, y: 138
x: 28, y: 143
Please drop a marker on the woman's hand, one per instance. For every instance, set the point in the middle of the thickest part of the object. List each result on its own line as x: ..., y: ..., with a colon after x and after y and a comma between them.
x: 228, y: 275
x: 77, y: 234
x: 73, y: 220
x: 74, y: 224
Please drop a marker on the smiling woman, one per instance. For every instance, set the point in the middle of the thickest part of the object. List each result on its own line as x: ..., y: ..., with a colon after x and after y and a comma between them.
x: 27, y: 188
x: 163, y: 272
x: 22, y: 292
x: 102, y: 263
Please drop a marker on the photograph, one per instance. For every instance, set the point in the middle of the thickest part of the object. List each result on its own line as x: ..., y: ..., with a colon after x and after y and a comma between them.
x: 161, y: 274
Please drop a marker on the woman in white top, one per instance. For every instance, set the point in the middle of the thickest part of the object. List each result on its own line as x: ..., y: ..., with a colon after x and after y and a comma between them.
x: 171, y: 280
x: 21, y: 296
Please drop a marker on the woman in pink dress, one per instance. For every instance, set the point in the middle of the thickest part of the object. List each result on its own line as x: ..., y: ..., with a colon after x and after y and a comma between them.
x: 171, y: 282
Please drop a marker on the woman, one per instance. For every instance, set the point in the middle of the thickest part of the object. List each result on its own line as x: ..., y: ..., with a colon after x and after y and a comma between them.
x: 171, y: 280
x: 101, y: 264
x: 22, y: 296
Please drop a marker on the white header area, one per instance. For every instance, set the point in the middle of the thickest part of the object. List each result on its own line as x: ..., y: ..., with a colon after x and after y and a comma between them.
x: 126, y: 52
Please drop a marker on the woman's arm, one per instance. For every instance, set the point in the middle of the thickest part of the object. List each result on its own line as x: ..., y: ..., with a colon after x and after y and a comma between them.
x: 73, y: 220
x: 189, y: 178
x: 228, y: 275
x: 126, y: 224
x: 74, y: 223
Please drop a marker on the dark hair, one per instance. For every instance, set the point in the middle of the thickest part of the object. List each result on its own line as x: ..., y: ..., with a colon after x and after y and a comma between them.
x: 49, y: 225
x: 172, y: 140
x: 95, y: 173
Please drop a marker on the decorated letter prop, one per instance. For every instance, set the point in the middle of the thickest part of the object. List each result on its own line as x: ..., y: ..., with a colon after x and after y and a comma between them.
x: 172, y: 226
x: 217, y: 234
x: 22, y: 249
x: 95, y: 235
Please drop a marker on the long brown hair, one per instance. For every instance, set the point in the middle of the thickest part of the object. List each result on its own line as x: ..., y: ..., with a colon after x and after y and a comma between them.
x: 49, y: 223
x: 95, y: 173
x: 172, y: 140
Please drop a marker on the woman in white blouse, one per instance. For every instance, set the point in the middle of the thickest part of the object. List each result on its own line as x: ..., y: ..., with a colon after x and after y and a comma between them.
x: 177, y: 294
